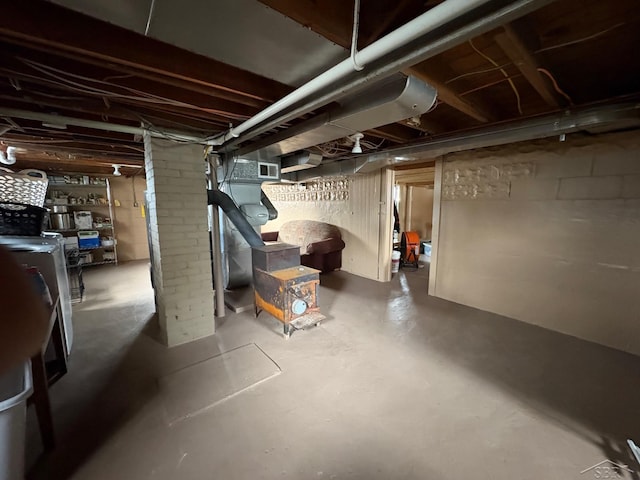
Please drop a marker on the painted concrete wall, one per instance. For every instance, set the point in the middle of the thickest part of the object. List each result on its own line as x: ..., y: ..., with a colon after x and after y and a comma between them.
x: 547, y: 233
x: 131, y: 229
x: 359, y: 208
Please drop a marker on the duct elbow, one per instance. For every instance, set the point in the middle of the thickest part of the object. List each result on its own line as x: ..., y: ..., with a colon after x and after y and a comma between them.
x: 228, y: 206
x: 273, y: 213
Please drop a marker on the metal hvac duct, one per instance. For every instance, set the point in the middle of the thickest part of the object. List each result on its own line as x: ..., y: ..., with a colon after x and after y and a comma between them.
x: 300, y: 161
x: 447, y: 24
x: 598, y: 119
x: 222, y: 200
x: 394, y: 99
x: 246, y: 208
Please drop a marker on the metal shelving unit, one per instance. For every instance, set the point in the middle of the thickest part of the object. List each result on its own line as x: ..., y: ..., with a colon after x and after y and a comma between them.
x: 94, y: 197
x: 104, y: 262
x: 88, y: 203
x: 74, y: 274
x: 73, y: 230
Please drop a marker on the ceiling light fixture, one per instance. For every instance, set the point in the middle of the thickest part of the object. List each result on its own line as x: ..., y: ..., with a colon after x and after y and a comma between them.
x: 356, y: 137
x: 116, y: 170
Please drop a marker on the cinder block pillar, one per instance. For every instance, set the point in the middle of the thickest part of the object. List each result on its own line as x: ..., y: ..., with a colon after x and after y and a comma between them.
x: 181, y: 264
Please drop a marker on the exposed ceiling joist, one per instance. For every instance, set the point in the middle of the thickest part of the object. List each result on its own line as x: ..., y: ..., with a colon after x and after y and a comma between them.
x: 393, y: 132
x: 61, y: 164
x: 414, y: 166
x: 514, y: 45
x: 306, y: 13
x: 41, y: 68
x: 167, y: 96
x: 97, y: 110
x: 38, y: 24
x: 451, y: 98
x: 572, y: 40
x: 386, y: 21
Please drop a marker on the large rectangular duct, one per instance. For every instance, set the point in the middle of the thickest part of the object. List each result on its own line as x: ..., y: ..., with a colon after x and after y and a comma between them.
x: 392, y: 100
x: 300, y: 161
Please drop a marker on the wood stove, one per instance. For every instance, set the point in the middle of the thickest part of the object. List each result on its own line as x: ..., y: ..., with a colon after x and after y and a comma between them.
x: 284, y: 288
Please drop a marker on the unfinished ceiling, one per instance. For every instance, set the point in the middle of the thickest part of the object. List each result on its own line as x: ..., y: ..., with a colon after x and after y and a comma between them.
x: 201, y: 69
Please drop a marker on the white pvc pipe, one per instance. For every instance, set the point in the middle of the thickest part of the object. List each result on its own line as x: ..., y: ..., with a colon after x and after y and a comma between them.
x: 428, y: 21
x: 354, y: 36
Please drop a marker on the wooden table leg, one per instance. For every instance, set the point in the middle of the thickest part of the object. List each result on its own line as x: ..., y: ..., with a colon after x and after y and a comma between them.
x: 40, y: 399
x: 60, y: 349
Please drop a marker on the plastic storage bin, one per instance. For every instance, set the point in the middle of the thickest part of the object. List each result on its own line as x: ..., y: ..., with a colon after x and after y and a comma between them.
x: 88, y: 239
x: 21, y: 219
x: 15, y: 388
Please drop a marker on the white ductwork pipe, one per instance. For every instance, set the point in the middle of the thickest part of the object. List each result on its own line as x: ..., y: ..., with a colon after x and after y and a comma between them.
x: 438, y: 16
x: 597, y: 119
x: 105, y: 126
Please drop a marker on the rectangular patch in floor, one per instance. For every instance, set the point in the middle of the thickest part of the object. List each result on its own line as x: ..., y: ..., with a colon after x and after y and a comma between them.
x: 204, y: 385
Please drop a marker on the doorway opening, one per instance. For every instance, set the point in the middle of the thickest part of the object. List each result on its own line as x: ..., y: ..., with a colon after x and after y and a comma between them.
x: 413, y: 200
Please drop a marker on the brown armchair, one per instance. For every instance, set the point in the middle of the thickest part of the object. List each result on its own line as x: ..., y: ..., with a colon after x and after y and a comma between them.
x: 320, y: 243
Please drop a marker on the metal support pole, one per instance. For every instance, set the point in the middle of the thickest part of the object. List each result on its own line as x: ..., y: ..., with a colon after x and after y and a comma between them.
x: 216, y: 244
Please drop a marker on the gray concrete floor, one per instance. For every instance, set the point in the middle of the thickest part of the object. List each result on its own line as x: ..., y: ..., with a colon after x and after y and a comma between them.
x: 394, y: 384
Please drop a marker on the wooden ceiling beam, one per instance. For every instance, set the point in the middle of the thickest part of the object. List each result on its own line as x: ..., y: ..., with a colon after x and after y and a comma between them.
x: 71, y: 130
x: 514, y: 46
x: 65, y: 151
x: 70, y: 152
x: 394, y: 132
x: 128, y: 71
x: 52, y: 139
x: 420, y: 184
x: 47, y: 27
x: 15, y: 66
x: 168, y: 117
x: 78, y: 165
x: 414, y: 166
x: 386, y: 21
x: 425, y: 125
x: 74, y: 152
x: 450, y: 97
x: 338, y: 31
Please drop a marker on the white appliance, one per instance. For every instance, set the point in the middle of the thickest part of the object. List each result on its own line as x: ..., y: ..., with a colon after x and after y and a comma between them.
x: 48, y: 255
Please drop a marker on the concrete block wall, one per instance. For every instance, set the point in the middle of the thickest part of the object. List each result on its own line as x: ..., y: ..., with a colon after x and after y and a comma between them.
x: 548, y: 233
x: 180, y: 240
x: 359, y: 215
